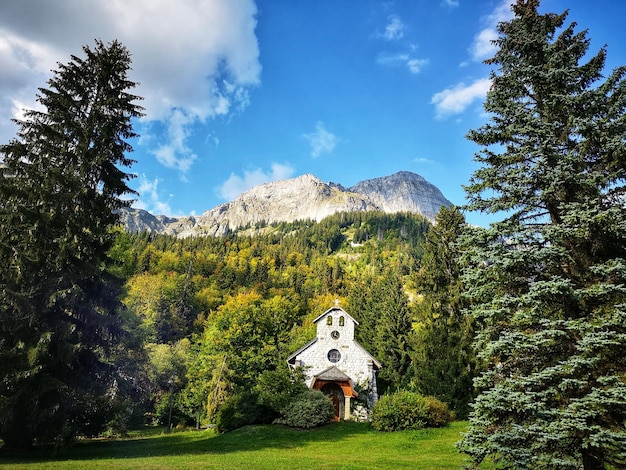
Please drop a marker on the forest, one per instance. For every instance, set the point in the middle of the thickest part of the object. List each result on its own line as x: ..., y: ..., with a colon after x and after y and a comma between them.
x: 520, y: 327
x: 215, y: 314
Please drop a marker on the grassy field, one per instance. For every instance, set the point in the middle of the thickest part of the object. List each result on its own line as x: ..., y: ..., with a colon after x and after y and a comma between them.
x: 340, y: 445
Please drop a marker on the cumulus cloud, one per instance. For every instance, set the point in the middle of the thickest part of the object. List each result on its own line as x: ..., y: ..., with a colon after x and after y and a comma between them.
x: 413, y: 64
x: 175, y: 153
x: 321, y: 141
x: 235, y: 184
x: 483, y: 47
x: 394, y: 29
x: 456, y: 99
x: 23, y: 68
x: 194, y: 60
x: 149, y: 197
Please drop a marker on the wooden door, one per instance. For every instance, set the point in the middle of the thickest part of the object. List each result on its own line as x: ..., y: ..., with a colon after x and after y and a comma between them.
x: 335, y: 400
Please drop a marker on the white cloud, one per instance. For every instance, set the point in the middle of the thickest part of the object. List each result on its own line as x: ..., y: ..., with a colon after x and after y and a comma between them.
x: 149, y: 198
x: 321, y: 141
x: 451, y: 3
x: 413, y: 64
x: 235, y: 184
x: 394, y: 29
x: 456, y: 99
x: 194, y: 60
x: 175, y: 153
x: 23, y: 68
x: 483, y: 47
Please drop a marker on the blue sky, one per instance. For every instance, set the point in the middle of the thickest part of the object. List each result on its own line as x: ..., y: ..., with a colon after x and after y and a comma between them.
x: 242, y: 92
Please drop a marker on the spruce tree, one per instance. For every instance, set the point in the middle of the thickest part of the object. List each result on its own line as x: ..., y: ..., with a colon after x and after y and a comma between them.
x: 443, y: 361
x: 385, y: 318
x: 60, y: 185
x: 548, y: 280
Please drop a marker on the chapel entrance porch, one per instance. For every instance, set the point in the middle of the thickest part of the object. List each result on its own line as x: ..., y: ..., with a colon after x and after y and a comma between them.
x: 336, y: 385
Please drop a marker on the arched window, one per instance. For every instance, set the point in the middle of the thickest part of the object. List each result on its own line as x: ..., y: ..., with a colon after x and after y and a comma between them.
x: 329, y: 320
x: 341, y: 321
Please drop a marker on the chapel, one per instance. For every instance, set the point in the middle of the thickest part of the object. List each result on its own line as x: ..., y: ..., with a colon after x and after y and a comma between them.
x: 334, y: 362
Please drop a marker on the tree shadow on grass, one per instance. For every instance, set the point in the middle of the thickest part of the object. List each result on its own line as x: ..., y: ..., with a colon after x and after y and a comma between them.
x: 248, y: 438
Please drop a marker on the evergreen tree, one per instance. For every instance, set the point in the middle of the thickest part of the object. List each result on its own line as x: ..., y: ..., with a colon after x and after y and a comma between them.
x: 548, y: 281
x: 443, y: 363
x: 393, y: 340
x: 385, y: 329
x: 63, y: 176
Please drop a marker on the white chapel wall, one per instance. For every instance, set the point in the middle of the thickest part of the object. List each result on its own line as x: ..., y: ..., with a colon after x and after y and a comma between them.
x: 353, y: 361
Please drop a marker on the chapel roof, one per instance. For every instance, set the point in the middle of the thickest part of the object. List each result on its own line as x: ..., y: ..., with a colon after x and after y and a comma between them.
x: 335, y: 309
x: 375, y: 361
x: 292, y: 358
x: 332, y: 374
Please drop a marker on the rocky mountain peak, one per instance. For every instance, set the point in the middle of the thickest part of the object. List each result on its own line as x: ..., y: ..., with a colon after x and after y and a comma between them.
x: 301, y: 198
x: 403, y: 192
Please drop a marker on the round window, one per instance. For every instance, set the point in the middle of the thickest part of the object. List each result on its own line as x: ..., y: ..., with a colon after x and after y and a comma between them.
x: 334, y: 334
x: 334, y: 355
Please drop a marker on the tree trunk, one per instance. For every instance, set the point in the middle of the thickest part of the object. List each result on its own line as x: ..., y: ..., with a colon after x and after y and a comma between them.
x: 592, y: 461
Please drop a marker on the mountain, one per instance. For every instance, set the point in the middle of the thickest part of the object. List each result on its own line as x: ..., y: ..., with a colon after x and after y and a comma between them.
x: 301, y: 198
x: 403, y: 192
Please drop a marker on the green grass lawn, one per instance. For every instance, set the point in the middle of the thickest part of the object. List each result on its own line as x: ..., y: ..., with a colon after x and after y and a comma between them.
x: 342, y: 445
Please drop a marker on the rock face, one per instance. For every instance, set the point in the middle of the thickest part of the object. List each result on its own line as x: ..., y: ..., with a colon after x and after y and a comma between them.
x: 138, y: 220
x: 305, y: 197
x: 403, y: 192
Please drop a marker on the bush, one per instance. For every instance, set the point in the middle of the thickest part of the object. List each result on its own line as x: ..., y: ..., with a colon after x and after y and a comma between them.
x: 310, y: 409
x: 242, y: 409
x: 438, y: 413
x: 408, y: 410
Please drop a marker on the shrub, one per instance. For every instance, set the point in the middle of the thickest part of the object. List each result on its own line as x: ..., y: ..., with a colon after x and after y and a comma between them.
x: 408, y: 410
x: 438, y: 413
x: 400, y: 410
x: 240, y: 410
x: 310, y: 409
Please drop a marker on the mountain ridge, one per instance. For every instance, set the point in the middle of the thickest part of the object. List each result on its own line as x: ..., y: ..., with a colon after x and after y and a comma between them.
x: 300, y: 198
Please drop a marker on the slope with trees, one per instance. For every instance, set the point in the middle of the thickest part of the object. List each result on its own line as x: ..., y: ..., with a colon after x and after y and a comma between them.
x: 252, y: 297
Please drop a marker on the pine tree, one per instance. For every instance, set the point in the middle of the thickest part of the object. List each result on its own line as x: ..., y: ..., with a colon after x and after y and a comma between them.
x: 385, y: 324
x: 59, y: 188
x: 444, y: 363
x: 393, y: 338
x: 548, y: 281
